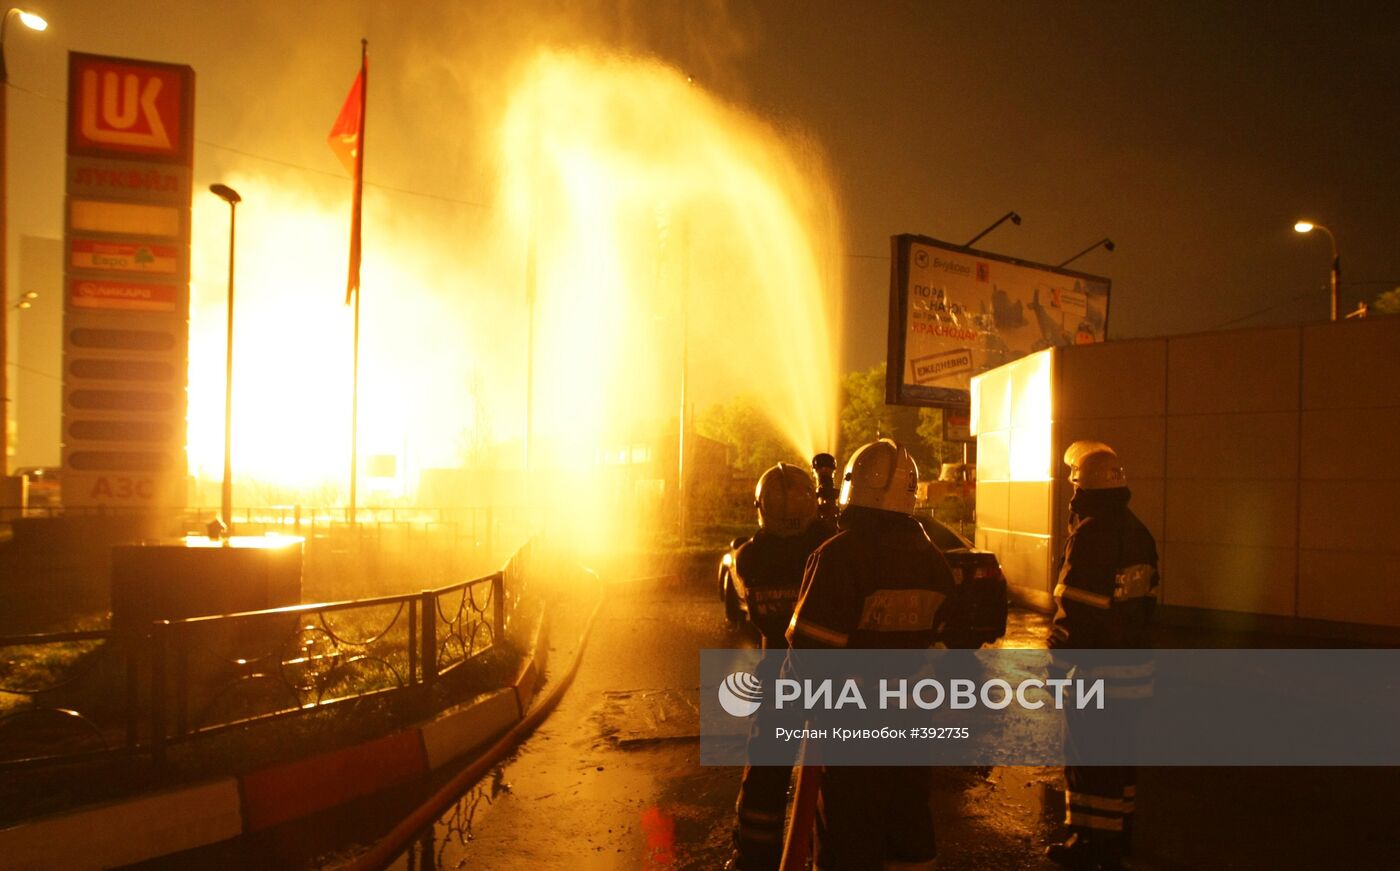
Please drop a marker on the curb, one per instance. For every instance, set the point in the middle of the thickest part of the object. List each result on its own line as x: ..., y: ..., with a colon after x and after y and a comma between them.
x: 158, y: 824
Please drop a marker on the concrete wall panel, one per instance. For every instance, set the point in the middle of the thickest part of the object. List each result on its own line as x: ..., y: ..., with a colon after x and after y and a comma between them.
x: 1246, y: 513
x: 994, y: 456
x: 1030, y: 509
x: 1231, y: 577
x: 993, y: 400
x: 994, y: 504
x: 1349, y: 587
x: 1359, y: 516
x: 1233, y: 446
x: 1031, y: 564
x: 1233, y: 372
x: 1353, y: 364
x: 1346, y: 443
x: 1111, y: 379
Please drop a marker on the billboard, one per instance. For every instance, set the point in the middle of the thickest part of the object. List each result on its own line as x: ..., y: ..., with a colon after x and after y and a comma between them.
x: 126, y: 264
x: 956, y: 312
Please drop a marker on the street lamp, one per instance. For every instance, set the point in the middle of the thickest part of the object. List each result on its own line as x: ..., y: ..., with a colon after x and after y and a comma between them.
x: 33, y: 22
x: 1015, y: 219
x: 1308, y: 227
x: 1106, y: 243
x: 230, y: 196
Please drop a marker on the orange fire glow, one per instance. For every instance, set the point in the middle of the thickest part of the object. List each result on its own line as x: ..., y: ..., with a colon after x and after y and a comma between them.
x: 665, y: 225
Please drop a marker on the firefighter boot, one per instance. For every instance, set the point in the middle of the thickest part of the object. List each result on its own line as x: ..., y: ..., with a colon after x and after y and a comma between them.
x: 1087, y: 853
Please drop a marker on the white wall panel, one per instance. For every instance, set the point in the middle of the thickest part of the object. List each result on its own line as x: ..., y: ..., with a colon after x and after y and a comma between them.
x: 1349, y: 443
x: 1349, y: 587
x: 1030, y: 509
x: 1233, y: 446
x: 1111, y: 379
x: 1247, y: 513
x: 1232, y: 577
x: 1233, y: 372
x: 1352, y: 364
x: 1360, y: 516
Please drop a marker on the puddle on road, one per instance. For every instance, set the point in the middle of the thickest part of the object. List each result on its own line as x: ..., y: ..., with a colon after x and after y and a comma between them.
x: 633, y: 717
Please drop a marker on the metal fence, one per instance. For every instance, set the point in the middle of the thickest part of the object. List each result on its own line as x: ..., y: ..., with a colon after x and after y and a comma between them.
x: 70, y: 695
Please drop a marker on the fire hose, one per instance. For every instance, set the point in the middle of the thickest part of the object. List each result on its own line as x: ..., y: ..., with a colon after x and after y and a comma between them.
x: 387, y: 848
x: 797, y: 846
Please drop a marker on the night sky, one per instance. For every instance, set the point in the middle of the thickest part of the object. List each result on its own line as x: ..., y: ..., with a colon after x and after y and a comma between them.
x: 1193, y: 135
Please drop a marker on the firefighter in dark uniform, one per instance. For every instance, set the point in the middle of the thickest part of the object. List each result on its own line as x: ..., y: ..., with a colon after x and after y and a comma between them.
x: 878, y: 583
x: 769, y: 566
x: 1106, y: 591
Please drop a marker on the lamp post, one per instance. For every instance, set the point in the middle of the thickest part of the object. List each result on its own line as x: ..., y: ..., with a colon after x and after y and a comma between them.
x: 230, y: 196
x: 1015, y: 219
x: 1308, y: 227
x: 33, y: 22
x: 1105, y: 242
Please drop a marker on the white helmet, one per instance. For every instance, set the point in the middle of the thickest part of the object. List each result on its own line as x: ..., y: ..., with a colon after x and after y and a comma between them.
x: 786, y: 500
x: 1094, y: 466
x: 881, y: 475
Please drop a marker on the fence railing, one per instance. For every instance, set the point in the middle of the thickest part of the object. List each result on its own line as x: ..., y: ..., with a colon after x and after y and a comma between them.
x: 73, y: 694
x: 72, y: 690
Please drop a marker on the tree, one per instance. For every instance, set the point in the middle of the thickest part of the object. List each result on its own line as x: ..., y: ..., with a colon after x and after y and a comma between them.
x: 1387, y: 303
x: 865, y: 417
x: 754, y: 441
x: 756, y: 444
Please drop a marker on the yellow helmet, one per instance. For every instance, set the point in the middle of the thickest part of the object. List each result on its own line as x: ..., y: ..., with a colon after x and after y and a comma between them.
x: 1094, y: 466
x: 786, y: 500
x: 881, y: 475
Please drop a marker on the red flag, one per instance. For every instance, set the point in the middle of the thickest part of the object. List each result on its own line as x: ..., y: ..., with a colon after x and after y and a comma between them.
x: 345, y: 135
x: 347, y: 140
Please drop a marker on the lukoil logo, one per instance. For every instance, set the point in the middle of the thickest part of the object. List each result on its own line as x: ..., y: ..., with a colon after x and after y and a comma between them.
x: 741, y: 694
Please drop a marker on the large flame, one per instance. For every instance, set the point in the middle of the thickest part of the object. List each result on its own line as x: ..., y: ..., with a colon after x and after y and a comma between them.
x: 667, y: 233
x: 672, y: 232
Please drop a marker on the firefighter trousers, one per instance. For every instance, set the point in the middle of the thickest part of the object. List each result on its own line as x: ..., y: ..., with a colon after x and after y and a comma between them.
x: 1100, y: 799
x: 761, y: 808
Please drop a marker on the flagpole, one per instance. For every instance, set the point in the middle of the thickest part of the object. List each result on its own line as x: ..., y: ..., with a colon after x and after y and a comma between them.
x: 355, y: 412
x: 358, y: 203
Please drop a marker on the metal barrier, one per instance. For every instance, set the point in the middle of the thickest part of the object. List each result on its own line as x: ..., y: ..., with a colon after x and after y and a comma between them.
x: 42, y: 677
x: 209, y: 674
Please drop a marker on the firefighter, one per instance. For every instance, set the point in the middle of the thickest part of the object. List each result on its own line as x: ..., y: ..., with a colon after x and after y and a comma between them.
x: 769, y: 566
x: 878, y: 583
x: 1107, y: 587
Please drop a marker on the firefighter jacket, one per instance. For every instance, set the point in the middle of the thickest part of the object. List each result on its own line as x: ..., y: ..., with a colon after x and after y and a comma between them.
x: 770, y: 569
x: 878, y: 583
x: 1108, y: 575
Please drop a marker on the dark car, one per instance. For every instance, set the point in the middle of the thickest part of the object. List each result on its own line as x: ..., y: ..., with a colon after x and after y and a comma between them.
x: 977, y: 608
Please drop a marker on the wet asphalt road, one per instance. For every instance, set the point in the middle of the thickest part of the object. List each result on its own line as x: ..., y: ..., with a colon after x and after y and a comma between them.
x: 612, y: 779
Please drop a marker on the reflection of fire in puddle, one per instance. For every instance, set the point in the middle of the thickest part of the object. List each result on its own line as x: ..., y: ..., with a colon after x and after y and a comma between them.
x: 660, y: 831
x: 1030, y: 794
x: 455, y: 826
x: 1002, y: 809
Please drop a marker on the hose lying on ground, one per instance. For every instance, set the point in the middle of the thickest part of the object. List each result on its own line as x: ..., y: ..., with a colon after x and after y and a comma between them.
x: 387, y: 848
